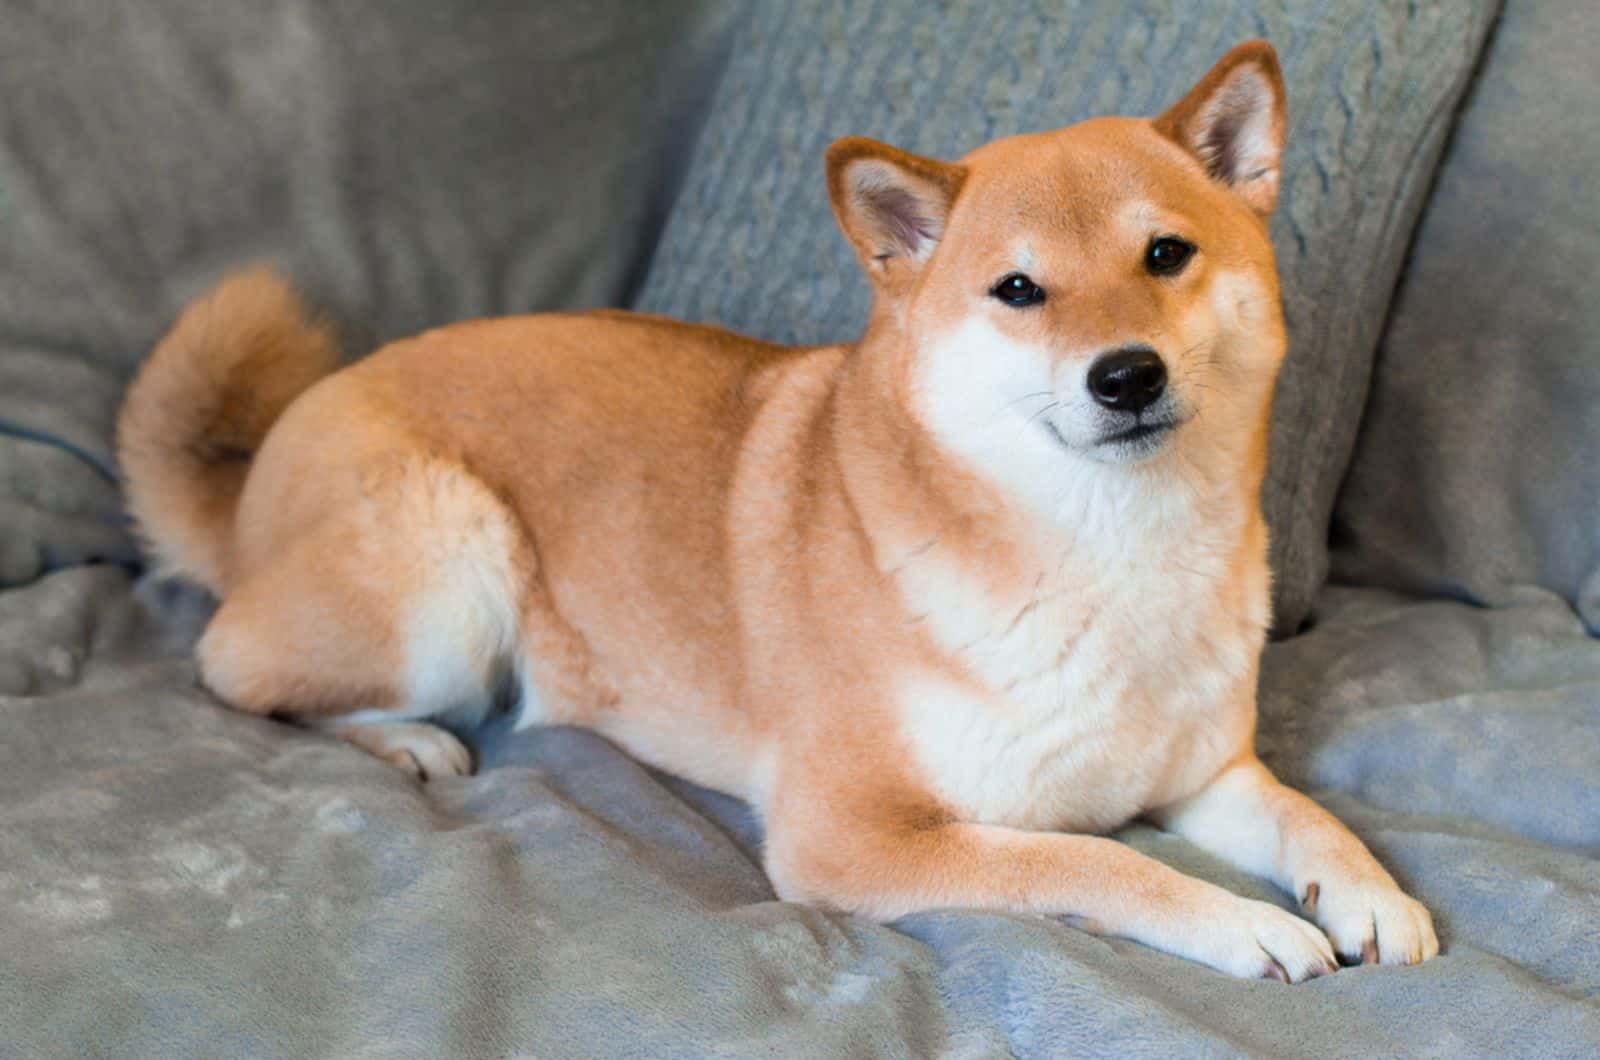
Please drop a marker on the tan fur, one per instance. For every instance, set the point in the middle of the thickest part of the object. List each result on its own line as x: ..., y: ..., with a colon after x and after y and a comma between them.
x: 204, y: 401
x: 918, y: 634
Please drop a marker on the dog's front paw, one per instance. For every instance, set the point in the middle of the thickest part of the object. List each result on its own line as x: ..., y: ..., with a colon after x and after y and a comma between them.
x: 1256, y: 940
x: 1371, y: 921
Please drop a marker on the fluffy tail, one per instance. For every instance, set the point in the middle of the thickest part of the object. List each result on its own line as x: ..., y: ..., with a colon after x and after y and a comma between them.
x: 201, y: 406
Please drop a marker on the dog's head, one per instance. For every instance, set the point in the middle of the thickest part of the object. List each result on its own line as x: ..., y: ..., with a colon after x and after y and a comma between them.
x: 1103, y: 294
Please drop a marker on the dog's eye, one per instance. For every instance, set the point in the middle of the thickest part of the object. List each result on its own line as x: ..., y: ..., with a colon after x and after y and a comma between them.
x: 1167, y: 255
x: 1017, y: 290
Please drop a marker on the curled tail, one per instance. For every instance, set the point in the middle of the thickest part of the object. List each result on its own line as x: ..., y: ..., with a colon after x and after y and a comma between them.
x: 200, y: 407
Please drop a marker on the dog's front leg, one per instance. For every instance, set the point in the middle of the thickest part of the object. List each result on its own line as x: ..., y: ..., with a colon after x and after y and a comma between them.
x: 1249, y: 819
x: 863, y: 860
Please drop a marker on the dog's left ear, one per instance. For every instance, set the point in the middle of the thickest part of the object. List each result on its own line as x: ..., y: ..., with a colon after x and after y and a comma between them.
x: 1235, y: 121
x: 891, y: 204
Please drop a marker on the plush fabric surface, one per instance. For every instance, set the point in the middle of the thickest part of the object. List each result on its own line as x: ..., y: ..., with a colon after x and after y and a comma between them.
x: 179, y: 880
x: 410, y: 163
x: 1372, y: 87
x: 1476, y: 468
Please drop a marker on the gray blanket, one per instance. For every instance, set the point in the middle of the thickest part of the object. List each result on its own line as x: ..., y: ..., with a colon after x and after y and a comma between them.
x: 176, y: 879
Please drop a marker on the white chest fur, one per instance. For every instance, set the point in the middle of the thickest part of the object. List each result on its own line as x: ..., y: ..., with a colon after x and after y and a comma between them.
x: 1125, y: 682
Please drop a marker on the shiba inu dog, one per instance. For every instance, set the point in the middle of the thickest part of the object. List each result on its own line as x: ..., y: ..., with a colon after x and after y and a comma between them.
x: 943, y: 604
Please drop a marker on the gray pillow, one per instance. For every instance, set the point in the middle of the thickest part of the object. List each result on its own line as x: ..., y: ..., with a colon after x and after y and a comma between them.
x: 411, y: 163
x: 1372, y: 88
x: 1476, y: 469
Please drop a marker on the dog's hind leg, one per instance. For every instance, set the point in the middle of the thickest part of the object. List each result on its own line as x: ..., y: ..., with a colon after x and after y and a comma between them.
x: 423, y: 750
x: 401, y: 608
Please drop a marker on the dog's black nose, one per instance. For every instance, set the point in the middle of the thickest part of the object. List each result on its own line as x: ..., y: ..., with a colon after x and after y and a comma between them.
x: 1129, y: 379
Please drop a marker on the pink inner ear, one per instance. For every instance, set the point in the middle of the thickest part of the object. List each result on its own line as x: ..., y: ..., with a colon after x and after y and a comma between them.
x: 1217, y: 143
x: 1234, y: 134
x: 903, y: 217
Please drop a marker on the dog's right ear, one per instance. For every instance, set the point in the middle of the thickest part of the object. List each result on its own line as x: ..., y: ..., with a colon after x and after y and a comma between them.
x: 892, y: 205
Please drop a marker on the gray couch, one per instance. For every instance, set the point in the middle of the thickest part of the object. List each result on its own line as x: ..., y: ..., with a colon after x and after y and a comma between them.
x: 176, y: 879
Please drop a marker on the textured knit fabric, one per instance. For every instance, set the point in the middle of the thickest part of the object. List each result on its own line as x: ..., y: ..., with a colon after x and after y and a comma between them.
x: 1372, y: 87
x: 1476, y: 470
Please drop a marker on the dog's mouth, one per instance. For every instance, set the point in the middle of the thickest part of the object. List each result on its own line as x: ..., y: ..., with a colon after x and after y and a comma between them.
x: 1139, y: 432
x: 1140, y: 438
